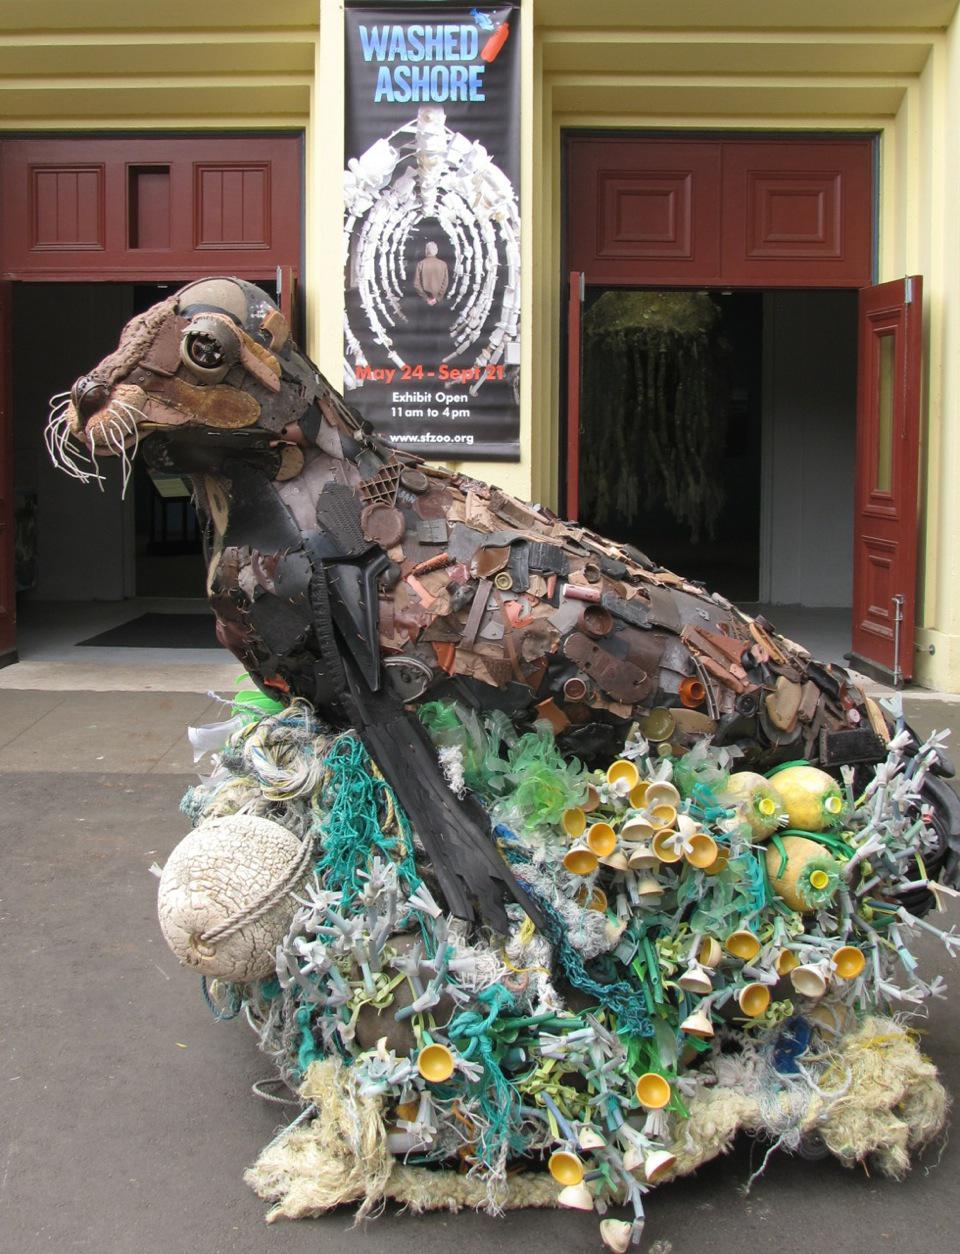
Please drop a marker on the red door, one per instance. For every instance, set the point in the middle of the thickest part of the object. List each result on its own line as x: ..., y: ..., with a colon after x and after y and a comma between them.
x: 888, y: 447
x: 8, y: 587
x: 574, y: 360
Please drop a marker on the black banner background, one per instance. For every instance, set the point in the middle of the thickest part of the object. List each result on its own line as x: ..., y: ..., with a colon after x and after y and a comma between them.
x: 422, y: 191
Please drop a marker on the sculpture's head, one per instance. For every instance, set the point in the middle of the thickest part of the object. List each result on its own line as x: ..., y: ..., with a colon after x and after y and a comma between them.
x: 216, y: 357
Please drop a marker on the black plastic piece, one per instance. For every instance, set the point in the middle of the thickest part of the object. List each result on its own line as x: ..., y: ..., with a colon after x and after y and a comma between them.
x: 455, y: 833
x: 257, y: 517
x: 858, y: 744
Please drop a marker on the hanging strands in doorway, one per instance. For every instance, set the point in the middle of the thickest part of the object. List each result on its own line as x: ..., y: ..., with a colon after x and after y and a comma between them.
x: 653, y: 424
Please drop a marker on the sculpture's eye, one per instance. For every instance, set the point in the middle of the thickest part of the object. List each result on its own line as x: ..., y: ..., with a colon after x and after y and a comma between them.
x: 209, y: 347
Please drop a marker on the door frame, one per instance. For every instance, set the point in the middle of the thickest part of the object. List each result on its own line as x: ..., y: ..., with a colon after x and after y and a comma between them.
x: 569, y: 411
x: 570, y: 316
x: 129, y: 267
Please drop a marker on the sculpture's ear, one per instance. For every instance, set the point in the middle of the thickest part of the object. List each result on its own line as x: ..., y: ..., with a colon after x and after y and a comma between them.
x: 209, y: 347
x: 275, y: 325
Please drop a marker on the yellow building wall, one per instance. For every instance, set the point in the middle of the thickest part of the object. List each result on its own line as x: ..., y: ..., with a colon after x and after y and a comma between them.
x: 902, y: 83
x: 893, y: 69
x: 938, y: 255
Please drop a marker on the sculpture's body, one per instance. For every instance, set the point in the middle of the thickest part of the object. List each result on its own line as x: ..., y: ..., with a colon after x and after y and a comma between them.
x: 353, y: 575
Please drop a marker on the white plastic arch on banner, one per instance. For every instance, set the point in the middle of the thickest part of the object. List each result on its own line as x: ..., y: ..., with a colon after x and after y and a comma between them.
x: 426, y: 170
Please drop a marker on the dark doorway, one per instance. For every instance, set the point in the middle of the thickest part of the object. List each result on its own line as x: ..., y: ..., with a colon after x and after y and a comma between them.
x: 717, y: 542
x: 75, y: 543
x: 778, y: 481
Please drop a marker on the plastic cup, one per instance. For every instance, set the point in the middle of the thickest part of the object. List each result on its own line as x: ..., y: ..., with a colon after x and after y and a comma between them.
x: 601, y: 839
x: 565, y: 1167
x: 848, y: 962
x: 435, y: 1063
x: 574, y: 822
x: 623, y: 774
x: 809, y: 981
x: 652, y: 1090
x: 753, y: 1000
x: 702, y: 852
x: 580, y: 860
x: 664, y: 847
x: 742, y: 944
x: 638, y: 795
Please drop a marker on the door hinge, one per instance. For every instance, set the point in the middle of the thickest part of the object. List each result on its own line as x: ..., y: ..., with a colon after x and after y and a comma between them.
x: 280, y: 283
x: 583, y: 287
x: 908, y: 290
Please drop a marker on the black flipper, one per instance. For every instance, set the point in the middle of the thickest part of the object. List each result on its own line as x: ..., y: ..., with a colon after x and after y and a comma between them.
x: 473, y: 877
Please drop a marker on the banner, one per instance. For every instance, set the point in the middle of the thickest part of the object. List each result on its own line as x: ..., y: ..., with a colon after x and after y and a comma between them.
x: 432, y: 226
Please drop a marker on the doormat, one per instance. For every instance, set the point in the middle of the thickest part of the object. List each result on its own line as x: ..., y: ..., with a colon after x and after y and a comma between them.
x: 159, y: 631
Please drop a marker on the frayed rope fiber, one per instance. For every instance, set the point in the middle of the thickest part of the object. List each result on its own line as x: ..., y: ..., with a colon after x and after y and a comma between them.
x: 341, y: 1156
x: 890, y: 1102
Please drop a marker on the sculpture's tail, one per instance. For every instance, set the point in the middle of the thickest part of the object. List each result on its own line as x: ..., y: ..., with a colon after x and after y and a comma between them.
x: 455, y: 833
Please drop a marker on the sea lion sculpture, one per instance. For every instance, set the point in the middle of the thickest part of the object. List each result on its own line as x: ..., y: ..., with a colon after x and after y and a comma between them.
x: 354, y: 575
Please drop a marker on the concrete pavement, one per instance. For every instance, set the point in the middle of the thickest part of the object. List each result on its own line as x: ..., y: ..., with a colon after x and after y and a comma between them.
x: 126, y: 1118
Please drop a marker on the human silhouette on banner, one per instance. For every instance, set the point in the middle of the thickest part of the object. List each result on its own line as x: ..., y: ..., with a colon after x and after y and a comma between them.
x: 432, y: 275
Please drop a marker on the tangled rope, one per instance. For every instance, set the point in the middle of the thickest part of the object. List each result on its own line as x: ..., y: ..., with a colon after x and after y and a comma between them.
x: 267, y: 900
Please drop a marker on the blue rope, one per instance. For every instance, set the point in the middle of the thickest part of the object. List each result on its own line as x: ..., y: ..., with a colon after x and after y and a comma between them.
x: 351, y: 833
x: 620, y: 998
x: 234, y: 1006
x: 497, y: 1097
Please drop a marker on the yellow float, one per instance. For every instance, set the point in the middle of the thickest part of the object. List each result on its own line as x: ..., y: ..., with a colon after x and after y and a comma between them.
x: 812, y: 798
x: 804, y: 874
x: 758, y: 803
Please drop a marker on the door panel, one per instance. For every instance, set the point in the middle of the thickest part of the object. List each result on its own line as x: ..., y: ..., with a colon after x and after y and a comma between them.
x: 645, y: 207
x: 574, y: 369
x: 888, y: 447
x: 8, y: 589
x: 797, y: 213
x: 150, y: 207
x: 672, y: 212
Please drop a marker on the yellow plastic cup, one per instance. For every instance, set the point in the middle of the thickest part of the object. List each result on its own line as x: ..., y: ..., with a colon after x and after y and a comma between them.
x: 601, y: 839
x: 565, y: 1167
x: 664, y: 814
x: 848, y: 962
x: 592, y: 898
x: 574, y: 822
x: 753, y: 999
x: 710, y: 953
x: 623, y: 773
x: 435, y: 1063
x: 702, y: 852
x: 580, y: 860
x: 663, y: 848
x: 786, y: 962
x: 742, y: 944
x: 719, y: 863
x: 652, y: 1090
x: 659, y: 724
x: 638, y: 795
